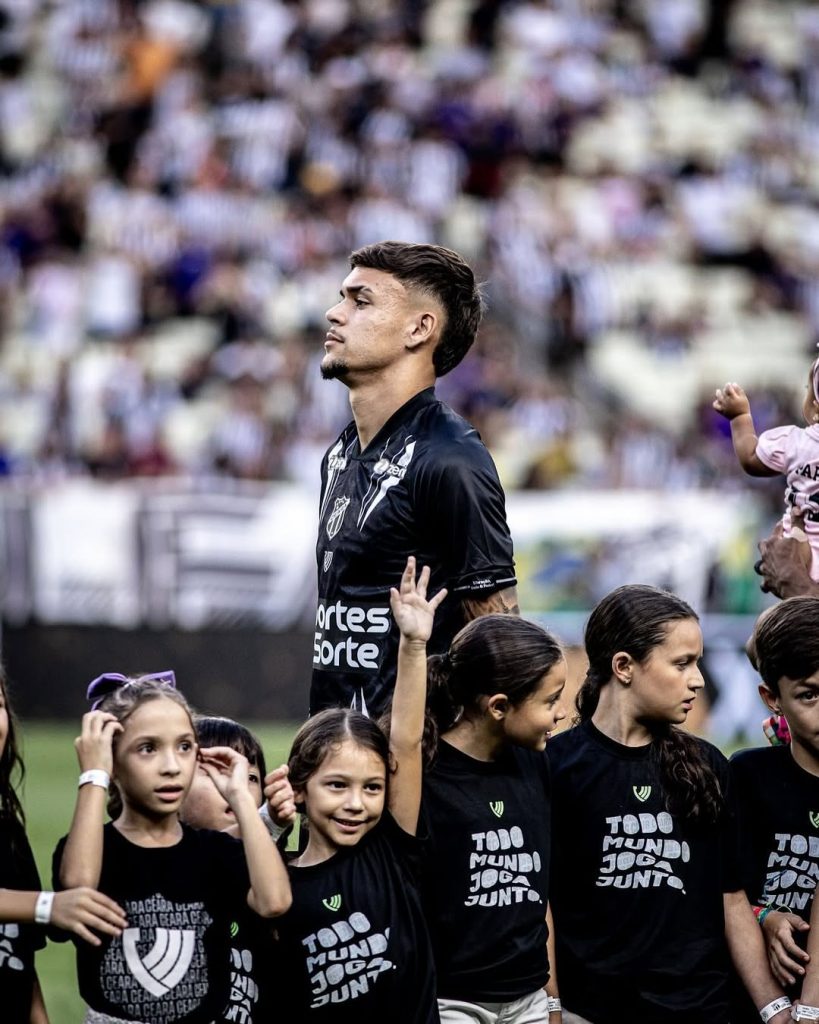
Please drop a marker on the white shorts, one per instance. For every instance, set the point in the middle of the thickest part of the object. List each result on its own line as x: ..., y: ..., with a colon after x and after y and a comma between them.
x: 533, y: 1009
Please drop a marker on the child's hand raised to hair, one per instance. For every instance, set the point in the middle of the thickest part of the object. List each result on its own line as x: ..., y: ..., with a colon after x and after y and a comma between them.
x: 229, y: 772
x: 413, y: 613
x: 79, y: 910
x: 281, y: 802
x: 94, y: 745
x: 731, y: 401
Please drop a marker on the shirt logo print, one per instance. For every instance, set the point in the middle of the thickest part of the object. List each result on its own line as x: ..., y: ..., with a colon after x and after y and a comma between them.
x: 328, y: 558
x: 337, y: 516
x: 166, y: 964
x: 333, y: 902
x: 642, y: 793
x: 496, y: 807
x: 814, y: 818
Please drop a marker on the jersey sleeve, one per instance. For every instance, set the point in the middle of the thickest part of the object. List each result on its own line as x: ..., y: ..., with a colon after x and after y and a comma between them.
x: 773, y: 448
x: 462, y: 515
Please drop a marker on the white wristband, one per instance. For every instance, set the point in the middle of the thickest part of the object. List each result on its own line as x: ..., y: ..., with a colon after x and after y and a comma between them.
x: 554, y: 1005
x: 42, y: 908
x: 800, y: 1012
x: 774, y: 1007
x: 95, y: 776
x: 276, y: 831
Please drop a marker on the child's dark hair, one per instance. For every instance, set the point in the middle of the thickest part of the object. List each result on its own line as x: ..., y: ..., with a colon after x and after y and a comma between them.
x: 123, y: 702
x: 12, y: 771
x: 491, y: 654
x: 324, y: 733
x: 215, y: 731
x: 636, y: 619
x: 786, y: 641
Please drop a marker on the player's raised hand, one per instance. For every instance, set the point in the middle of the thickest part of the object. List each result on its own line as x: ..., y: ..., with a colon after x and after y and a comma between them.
x: 413, y: 613
x: 731, y: 401
x: 94, y: 745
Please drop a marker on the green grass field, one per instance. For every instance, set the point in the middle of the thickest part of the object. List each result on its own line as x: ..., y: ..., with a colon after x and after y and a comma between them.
x: 49, y: 792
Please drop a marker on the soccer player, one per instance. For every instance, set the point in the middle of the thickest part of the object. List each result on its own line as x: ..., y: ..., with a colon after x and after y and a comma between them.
x: 406, y: 476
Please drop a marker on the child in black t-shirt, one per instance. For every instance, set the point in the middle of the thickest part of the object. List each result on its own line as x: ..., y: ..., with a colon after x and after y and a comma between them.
x: 495, y: 700
x: 180, y: 888
x: 252, y: 977
x: 354, y: 946
x: 22, y: 903
x: 644, y: 883
x: 776, y: 789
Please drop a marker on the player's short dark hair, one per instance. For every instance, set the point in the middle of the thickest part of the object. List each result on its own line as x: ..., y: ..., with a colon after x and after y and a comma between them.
x: 216, y: 731
x: 786, y: 641
x: 324, y: 733
x: 444, y: 274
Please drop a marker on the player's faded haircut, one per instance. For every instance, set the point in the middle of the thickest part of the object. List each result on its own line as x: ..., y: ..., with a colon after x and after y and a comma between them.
x: 786, y: 641
x: 445, y: 275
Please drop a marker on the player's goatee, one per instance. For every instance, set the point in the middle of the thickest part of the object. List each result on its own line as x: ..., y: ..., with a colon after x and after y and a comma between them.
x: 335, y: 370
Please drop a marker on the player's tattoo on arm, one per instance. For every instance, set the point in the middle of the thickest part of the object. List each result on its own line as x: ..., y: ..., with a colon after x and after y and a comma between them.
x: 502, y: 602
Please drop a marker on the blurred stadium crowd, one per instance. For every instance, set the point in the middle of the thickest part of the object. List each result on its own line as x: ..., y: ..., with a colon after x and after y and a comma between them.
x: 181, y: 183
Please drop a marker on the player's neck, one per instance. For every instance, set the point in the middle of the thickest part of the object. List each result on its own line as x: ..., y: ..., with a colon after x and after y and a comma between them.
x: 375, y: 399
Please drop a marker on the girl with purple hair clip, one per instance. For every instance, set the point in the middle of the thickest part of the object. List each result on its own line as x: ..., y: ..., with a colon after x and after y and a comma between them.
x: 179, y: 887
x: 789, y: 451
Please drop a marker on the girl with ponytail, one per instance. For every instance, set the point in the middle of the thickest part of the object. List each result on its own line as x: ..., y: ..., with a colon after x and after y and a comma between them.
x: 494, y: 701
x: 645, y: 884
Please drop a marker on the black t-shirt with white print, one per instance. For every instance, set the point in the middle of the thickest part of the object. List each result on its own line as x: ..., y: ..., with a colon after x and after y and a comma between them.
x: 354, y: 946
x: 253, y: 992
x: 424, y: 486
x: 637, y: 894
x: 18, y: 942
x: 171, y: 965
x: 486, y: 889
x: 777, y: 808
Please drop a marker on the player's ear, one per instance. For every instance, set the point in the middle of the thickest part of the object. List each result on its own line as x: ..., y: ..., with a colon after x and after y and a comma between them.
x: 423, y: 328
x: 770, y: 698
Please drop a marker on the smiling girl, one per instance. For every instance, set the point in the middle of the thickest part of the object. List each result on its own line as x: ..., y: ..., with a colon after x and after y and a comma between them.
x: 354, y: 947
x: 496, y: 699
x: 179, y: 887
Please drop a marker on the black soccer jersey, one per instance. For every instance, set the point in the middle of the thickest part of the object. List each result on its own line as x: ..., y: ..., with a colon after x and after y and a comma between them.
x: 424, y: 486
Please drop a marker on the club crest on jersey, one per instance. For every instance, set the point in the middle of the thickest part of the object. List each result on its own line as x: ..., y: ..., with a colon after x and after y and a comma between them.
x: 496, y: 807
x: 165, y: 964
x: 814, y: 818
x: 336, y: 517
x: 642, y: 793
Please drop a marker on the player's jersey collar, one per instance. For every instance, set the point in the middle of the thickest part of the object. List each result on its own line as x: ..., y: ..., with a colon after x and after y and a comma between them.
x: 400, y: 416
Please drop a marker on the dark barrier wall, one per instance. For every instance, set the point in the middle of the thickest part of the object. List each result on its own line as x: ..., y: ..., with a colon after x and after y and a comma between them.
x: 244, y: 674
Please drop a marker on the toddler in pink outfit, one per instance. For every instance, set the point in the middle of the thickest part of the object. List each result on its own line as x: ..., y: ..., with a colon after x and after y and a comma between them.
x: 791, y: 451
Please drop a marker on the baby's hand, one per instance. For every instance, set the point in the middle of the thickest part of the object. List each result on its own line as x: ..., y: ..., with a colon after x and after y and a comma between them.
x: 731, y: 401
x: 94, y: 745
x: 410, y: 608
x: 278, y: 792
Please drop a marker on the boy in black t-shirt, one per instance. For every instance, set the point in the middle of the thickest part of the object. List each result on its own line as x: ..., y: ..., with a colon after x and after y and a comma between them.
x: 776, y: 790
